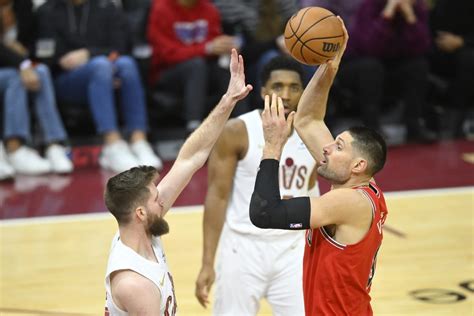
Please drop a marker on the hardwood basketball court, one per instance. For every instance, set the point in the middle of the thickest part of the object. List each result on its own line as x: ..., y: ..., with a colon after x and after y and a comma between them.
x: 55, y: 265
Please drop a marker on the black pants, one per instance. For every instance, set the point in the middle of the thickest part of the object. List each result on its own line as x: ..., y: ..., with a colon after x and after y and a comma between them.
x: 375, y: 82
x: 458, y: 69
x: 197, y: 81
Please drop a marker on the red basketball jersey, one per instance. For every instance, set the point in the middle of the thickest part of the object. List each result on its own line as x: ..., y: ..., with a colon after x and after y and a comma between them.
x: 337, y: 277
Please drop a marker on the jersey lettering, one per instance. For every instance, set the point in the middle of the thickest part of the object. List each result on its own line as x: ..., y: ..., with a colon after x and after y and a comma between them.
x: 300, y: 180
x: 170, y: 300
x: 293, y: 176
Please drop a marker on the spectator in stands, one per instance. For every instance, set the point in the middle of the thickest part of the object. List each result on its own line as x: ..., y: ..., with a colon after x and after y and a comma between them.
x: 89, y: 40
x: 260, y: 24
x: 452, y: 23
x: 370, y: 67
x: 397, y: 33
x: 362, y: 76
x: 186, y: 37
x: 18, y: 77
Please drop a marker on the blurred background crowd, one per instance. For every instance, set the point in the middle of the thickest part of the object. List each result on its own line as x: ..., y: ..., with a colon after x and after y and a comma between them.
x: 121, y: 73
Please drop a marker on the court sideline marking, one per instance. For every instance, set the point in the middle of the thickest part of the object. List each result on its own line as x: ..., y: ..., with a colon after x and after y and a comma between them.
x: 199, y: 208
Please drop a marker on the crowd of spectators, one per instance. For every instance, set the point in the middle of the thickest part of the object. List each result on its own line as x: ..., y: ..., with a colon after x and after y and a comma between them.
x: 413, y: 55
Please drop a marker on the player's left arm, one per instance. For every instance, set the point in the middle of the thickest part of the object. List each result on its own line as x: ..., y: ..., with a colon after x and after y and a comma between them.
x: 268, y: 210
x: 338, y: 206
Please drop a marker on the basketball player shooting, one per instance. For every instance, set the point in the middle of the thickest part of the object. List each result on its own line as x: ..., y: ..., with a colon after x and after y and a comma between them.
x: 343, y: 226
x: 243, y: 278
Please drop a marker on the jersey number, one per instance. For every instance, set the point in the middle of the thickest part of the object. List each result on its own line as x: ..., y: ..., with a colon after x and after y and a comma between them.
x: 372, y: 269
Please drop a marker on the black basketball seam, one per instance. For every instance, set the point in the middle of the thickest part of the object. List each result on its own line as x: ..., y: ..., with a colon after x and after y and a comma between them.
x: 317, y: 52
x: 301, y: 21
x: 298, y: 39
x: 318, y: 38
x: 303, y: 44
x: 309, y: 28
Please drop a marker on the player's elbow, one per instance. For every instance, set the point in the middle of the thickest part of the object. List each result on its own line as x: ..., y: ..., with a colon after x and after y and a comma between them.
x: 301, y: 122
x: 258, y: 211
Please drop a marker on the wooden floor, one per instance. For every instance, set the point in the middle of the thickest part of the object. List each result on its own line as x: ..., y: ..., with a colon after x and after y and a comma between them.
x: 56, y: 266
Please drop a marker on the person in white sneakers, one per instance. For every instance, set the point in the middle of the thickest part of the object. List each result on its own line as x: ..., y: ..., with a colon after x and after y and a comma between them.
x: 91, y: 68
x: 117, y: 155
x: 6, y: 171
x: 18, y: 77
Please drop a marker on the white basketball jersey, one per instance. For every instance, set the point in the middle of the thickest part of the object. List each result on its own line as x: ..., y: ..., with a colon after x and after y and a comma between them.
x: 124, y: 258
x: 296, y: 165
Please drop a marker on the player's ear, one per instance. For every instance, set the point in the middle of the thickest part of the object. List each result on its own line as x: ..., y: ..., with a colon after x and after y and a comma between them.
x: 140, y: 213
x: 360, y: 166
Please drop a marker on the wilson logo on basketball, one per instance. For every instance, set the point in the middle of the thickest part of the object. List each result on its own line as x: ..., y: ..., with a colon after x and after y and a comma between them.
x: 330, y: 47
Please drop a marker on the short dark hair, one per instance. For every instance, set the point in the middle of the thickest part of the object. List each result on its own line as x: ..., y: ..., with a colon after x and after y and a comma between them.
x: 128, y: 190
x: 281, y: 62
x: 370, y: 144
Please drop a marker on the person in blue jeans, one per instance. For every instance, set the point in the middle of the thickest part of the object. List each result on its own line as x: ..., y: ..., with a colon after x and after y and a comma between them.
x: 88, y: 49
x: 18, y: 77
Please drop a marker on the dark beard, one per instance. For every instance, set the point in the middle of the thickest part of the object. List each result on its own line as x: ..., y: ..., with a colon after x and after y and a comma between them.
x: 157, y: 226
x: 329, y: 175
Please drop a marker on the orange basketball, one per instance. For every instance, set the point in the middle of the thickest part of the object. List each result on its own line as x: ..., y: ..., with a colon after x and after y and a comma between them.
x: 313, y: 35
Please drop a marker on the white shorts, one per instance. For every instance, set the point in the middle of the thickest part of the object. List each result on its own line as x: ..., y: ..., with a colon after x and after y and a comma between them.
x: 250, y: 268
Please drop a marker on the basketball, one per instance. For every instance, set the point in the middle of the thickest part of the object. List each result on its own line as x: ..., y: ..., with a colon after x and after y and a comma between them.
x: 313, y: 35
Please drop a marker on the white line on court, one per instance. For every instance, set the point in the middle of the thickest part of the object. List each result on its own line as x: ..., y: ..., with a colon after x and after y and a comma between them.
x: 199, y: 208
x: 429, y: 192
x: 88, y: 217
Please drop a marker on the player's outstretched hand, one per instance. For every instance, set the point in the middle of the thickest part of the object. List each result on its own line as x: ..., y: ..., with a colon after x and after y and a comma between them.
x: 237, y: 89
x: 334, y: 63
x: 276, y: 128
x: 327, y: 72
x: 204, y: 282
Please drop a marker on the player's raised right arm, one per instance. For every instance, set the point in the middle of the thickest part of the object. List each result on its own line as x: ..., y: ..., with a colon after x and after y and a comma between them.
x: 309, y: 119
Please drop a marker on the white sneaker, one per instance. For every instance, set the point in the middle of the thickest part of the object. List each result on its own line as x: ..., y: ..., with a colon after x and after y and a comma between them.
x: 145, y: 155
x: 6, y: 171
x: 27, y: 161
x: 60, y: 162
x: 117, y: 157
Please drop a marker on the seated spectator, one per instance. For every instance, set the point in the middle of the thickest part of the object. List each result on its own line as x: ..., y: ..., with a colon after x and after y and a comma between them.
x: 260, y: 24
x: 136, y: 14
x: 362, y: 76
x: 186, y: 38
x: 380, y: 59
x: 452, y: 25
x: 89, y: 59
x: 396, y: 32
x: 18, y: 77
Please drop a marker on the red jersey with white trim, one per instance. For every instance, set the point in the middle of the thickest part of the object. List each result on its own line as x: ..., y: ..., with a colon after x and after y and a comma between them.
x: 337, y: 277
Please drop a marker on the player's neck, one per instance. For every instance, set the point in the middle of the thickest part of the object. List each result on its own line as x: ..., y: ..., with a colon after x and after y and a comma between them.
x: 138, y: 241
x: 352, y: 183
